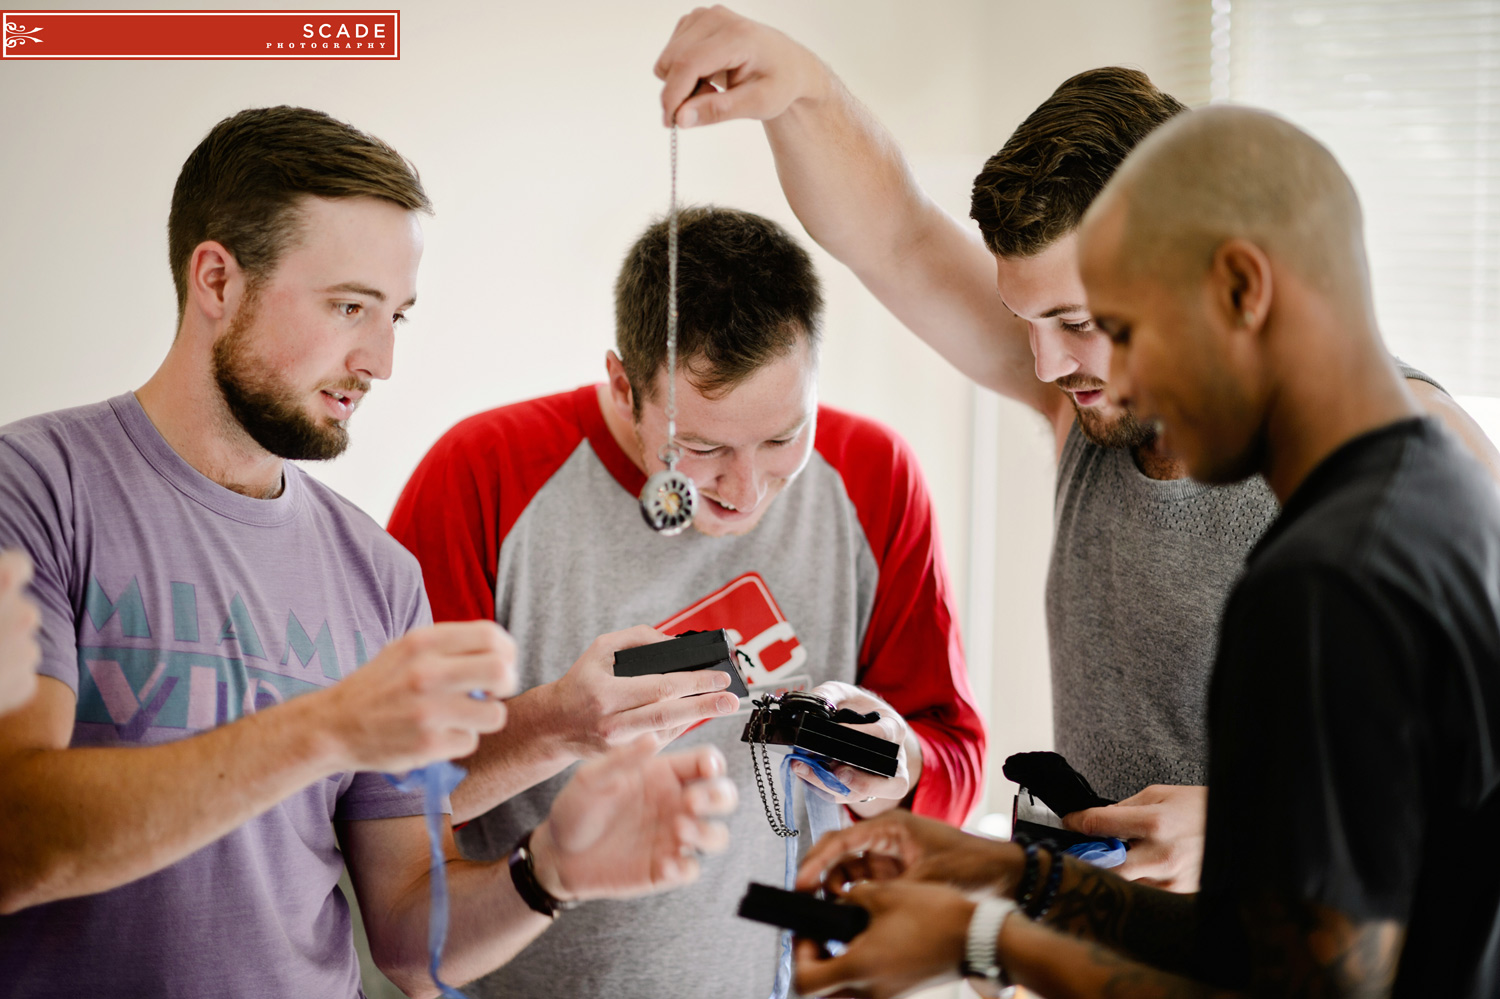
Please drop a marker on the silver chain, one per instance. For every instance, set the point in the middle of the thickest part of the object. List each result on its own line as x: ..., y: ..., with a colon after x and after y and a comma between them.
x: 669, y: 452
x: 773, y: 806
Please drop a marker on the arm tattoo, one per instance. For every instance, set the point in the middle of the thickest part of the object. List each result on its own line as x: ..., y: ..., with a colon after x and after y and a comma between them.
x: 1135, y: 981
x: 1298, y: 950
x: 1309, y: 951
x: 1148, y: 924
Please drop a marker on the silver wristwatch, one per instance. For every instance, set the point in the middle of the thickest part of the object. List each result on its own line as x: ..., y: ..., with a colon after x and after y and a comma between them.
x: 980, y: 950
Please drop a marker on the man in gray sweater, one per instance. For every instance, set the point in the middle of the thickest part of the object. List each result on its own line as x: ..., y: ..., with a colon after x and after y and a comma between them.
x: 1142, y: 556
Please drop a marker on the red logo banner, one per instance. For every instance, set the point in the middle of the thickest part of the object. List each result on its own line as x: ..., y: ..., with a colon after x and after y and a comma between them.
x: 747, y: 610
x: 201, y: 34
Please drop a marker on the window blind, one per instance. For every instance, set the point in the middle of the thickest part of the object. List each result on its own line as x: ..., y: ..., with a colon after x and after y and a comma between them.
x: 1405, y: 93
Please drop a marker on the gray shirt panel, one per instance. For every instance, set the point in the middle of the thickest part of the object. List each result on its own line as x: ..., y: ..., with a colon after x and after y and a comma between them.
x: 1139, y: 572
x: 1136, y: 586
x: 581, y: 562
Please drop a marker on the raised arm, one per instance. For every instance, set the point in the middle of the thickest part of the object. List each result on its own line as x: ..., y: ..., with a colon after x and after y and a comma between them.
x: 849, y: 184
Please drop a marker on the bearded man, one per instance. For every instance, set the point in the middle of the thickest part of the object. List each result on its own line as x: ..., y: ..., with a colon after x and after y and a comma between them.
x: 232, y: 654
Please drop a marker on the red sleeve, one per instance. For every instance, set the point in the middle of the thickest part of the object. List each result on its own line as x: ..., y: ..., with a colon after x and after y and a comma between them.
x: 912, y: 655
x: 468, y: 491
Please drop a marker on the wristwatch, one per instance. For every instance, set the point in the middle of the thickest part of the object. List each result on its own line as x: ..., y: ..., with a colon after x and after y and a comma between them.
x: 523, y: 875
x: 980, y: 950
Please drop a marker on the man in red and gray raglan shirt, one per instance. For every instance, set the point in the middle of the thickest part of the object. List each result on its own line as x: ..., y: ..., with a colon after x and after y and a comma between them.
x: 818, y: 552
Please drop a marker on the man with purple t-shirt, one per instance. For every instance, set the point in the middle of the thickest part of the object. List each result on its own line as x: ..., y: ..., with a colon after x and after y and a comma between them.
x: 232, y: 653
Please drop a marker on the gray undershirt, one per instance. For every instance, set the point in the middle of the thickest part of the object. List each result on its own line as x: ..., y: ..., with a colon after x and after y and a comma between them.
x: 1139, y: 574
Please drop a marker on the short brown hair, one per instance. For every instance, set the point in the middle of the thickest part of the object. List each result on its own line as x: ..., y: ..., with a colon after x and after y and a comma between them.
x: 1037, y: 187
x: 746, y: 291
x: 242, y: 185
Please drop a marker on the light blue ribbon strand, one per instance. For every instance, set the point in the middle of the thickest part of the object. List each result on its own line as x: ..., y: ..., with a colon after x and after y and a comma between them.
x: 823, y: 816
x: 1101, y: 853
x: 435, y: 781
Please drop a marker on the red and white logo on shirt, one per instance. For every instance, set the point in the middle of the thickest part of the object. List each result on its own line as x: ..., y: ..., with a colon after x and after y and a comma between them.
x: 746, y: 609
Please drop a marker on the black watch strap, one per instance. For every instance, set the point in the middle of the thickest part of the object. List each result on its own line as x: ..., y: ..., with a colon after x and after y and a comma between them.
x: 523, y: 875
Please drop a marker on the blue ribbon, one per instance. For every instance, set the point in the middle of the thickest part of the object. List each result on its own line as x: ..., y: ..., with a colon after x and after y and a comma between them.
x: 823, y: 816
x: 1100, y: 852
x: 435, y: 781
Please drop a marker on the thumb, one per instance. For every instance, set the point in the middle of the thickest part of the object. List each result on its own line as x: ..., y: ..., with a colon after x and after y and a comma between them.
x: 610, y: 774
x: 746, y: 100
x: 1127, y: 822
x: 633, y: 753
x: 630, y: 638
x: 15, y: 569
x: 872, y: 896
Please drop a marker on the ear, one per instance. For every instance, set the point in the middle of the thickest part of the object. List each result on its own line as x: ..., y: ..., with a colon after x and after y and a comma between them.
x: 1241, y: 276
x: 215, y: 282
x: 620, y: 393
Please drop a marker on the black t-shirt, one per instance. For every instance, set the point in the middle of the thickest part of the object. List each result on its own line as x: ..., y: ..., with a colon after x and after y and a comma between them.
x: 1354, y: 713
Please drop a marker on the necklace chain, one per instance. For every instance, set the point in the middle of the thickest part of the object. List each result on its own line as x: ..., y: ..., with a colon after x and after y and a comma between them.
x: 670, y: 452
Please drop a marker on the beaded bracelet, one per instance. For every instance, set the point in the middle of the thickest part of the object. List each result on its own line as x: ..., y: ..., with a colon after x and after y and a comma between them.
x: 1049, y: 893
x: 1030, y: 877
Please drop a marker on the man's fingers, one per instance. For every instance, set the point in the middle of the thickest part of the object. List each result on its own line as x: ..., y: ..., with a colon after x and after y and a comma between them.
x: 702, y: 763
x: 860, y: 784
x: 743, y: 101
x: 734, y: 56
x: 488, y: 672
x: 457, y: 638
x: 712, y: 796
x: 18, y: 616
x: 807, y: 774
x: 632, y: 754
x: 698, y: 49
x: 1127, y: 822
x: 635, y: 691
x: 15, y: 570
x: 1145, y: 796
x: 872, y: 896
x: 703, y: 835
x: 815, y: 973
x: 629, y: 638
x: 873, y: 836
x: 467, y: 655
x: 1146, y: 861
x: 674, y: 870
x: 449, y: 744
x: 662, y: 716
x: 690, y: 31
x: 468, y: 713
x: 663, y: 61
x: 830, y: 851
x: 851, y: 870
x: 863, y: 785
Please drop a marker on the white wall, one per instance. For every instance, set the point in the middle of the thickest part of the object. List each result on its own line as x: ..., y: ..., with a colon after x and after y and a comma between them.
x: 535, y: 127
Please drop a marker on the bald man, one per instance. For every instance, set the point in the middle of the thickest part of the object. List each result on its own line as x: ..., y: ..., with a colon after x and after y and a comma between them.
x: 1354, y: 711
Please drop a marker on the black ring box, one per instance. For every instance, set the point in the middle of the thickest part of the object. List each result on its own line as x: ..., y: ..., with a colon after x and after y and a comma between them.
x: 689, y: 651
x: 805, y: 915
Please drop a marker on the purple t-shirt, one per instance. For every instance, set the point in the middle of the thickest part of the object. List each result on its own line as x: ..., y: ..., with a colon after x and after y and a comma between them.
x: 171, y: 605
